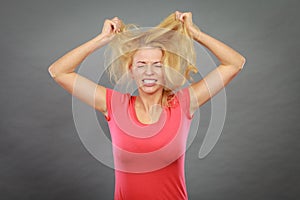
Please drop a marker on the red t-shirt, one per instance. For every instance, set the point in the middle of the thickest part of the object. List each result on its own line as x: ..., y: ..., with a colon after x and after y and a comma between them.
x: 149, y: 158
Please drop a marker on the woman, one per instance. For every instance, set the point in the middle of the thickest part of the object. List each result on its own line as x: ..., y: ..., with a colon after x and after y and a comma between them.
x: 149, y: 130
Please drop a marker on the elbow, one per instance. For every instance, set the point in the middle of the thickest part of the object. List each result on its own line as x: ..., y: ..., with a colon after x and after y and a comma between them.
x: 241, y: 63
x: 51, y: 71
x: 238, y: 63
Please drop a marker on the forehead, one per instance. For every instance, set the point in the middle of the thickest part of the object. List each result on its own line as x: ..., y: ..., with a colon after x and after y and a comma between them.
x: 148, y: 55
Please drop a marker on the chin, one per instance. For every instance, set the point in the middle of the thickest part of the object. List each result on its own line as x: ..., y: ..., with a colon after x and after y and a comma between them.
x: 151, y: 90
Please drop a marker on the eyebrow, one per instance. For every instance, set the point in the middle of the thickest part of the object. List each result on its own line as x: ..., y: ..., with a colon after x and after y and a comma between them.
x: 144, y: 62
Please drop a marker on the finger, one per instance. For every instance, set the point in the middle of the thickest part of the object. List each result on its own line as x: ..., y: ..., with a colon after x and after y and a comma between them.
x: 186, y: 16
x: 183, y: 16
x: 177, y: 14
x: 117, y: 21
x: 180, y: 16
x: 113, y: 26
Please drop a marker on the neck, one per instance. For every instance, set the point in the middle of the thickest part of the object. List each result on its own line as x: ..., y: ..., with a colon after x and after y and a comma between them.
x: 147, y: 101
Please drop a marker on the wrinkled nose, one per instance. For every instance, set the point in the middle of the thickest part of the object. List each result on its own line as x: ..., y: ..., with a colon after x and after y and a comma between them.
x: 149, y: 70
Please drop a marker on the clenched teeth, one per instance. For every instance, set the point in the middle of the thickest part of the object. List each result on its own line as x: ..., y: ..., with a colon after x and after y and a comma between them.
x: 149, y: 81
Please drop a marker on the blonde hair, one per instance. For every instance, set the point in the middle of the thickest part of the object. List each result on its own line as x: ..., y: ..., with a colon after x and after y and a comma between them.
x: 171, y: 36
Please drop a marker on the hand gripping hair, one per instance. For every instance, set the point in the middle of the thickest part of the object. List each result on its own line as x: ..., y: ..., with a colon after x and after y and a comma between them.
x: 171, y: 36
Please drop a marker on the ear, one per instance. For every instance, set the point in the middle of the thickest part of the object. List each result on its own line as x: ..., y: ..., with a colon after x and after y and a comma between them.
x: 130, y: 71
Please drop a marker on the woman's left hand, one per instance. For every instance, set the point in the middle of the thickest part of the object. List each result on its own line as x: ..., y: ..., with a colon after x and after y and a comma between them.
x: 187, y: 19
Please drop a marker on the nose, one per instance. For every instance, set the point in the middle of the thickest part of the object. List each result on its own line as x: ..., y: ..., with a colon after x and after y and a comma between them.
x: 149, y: 70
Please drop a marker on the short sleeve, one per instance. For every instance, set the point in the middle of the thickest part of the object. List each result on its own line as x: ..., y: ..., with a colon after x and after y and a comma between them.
x: 115, y: 101
x: 108, y: 103
x: 183, y: 96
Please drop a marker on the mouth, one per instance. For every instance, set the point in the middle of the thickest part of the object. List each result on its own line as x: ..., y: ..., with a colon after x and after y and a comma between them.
x: 149, y: 82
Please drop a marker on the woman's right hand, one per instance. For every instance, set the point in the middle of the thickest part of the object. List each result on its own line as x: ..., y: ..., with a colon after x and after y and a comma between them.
x: 111, y: 27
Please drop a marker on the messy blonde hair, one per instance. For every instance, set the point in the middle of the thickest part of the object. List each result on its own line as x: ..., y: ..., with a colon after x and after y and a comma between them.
x: 171, y: 36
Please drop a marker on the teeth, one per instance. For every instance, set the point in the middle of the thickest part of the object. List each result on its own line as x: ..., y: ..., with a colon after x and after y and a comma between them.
x: 149, y: 81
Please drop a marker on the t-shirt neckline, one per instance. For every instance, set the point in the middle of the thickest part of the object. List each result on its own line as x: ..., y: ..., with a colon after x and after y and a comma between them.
x: 136, y: 120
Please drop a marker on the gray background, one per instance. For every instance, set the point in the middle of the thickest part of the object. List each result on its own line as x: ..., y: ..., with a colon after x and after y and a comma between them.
x: 257, y: 156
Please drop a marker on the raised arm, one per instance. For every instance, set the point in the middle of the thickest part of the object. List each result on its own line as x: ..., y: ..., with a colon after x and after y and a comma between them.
x: 62, y: 70
x: 231, y: 63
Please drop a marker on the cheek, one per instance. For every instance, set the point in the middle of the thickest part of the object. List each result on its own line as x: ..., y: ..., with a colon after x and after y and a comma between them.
x: 136, y: 76
x: 133, y: 74
x: 162, y: 75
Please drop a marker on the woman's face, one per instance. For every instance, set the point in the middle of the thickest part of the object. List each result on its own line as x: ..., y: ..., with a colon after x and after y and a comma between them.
x: 147, y: 69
